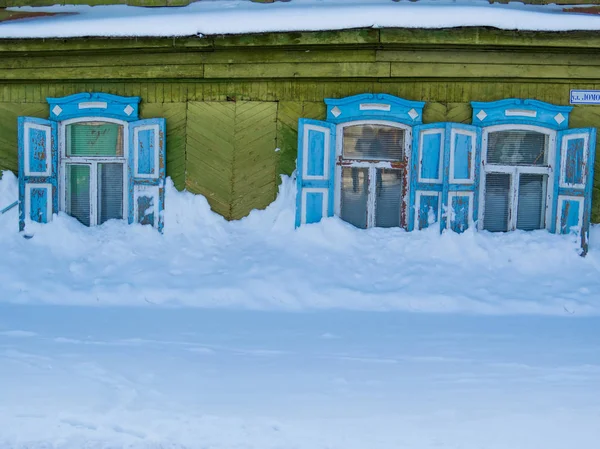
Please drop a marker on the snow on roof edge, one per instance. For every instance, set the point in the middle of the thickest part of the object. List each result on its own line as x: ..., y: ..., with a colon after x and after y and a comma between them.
x: 234, y: 17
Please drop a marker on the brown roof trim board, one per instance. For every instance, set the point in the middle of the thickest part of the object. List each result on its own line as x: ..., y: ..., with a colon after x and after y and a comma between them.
x: 6, y: 16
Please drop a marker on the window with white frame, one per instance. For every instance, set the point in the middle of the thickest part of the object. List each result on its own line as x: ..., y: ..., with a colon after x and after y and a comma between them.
x: 517, y: 180
x: 372, y: 169
x: 93, y: 170
x: 93, y: 159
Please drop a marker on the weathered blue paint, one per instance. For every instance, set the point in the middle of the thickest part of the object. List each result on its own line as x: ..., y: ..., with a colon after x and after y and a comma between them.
x: 577, y: 173
x: 94, y: 105
x: 322, y: 148
x: 374, y: 107
x: 458, y: 146
x: 460, y: 142
x: 424, y: 152
x: 145, y: 208
x: 569, y: 217
x: 38, y: 204
x: 9, y: 207
x: 516, y: 111
x: 430, y: 153
x: 316, y: 156
x: 463, y: 149
x: 145, y: 151
x: 574, y: 163
x: 428, y: 207
x: 314, y: 207
x: 43, y: 141
x: 38, y: 159
x: 459, y: 221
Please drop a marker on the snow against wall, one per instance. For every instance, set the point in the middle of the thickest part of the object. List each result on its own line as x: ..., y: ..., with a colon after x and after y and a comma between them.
x: 262, y: 262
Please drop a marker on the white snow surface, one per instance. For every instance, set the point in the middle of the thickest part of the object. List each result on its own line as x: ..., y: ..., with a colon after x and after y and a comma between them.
x: 243, y: 16
x: 262, y: 263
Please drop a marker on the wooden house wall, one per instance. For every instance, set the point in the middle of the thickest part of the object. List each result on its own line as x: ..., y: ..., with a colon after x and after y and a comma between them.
x: 228, y: 108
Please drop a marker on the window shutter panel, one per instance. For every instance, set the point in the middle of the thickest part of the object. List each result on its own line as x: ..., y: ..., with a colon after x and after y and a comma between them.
x: 572, y: 194
x: 462, y: 161
x: 38, y: 170
x: 146, y: 172
x: 315, y: 171
x: 427, y: 175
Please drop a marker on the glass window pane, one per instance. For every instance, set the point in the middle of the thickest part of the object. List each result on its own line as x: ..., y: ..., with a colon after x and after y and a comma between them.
x: 497, y: 190
x: 517, y: 147
x: 388, y: 197
x: 78, y: 192
x: 354, y: 194
x: 94, y: 139
x: 373, y: 142
x: 110, y: 192
x: 532, y: 202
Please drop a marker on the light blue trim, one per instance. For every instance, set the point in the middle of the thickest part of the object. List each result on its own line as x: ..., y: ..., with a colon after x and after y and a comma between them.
x: 94, y: 105
x: 414, y: 172
x: 41, y: 179
x: 327, y: 183
x: 9, y: 207
x: 374, y: 105
x: 159, y: 181
x: 495, y: 113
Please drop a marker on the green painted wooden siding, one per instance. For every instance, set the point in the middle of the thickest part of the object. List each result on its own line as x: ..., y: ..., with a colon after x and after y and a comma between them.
x: 230, y: 102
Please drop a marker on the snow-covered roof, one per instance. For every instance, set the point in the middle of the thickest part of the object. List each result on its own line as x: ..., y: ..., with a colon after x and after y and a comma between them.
x: 243, y: 16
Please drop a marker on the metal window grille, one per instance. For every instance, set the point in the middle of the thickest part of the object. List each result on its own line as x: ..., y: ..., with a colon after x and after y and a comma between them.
x: 89, y: 139
x: 354, y: 195
x: 497, y: 202
x: 78, y: 192
x: 517, y: 147
x: 110, y: 192
x: 532, y: 201
x: 388, y: 197
x: 373, y: 142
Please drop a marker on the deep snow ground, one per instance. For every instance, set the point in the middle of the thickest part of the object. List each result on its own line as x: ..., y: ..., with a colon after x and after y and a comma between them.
x: 261, y: 262
x: 74, y: 378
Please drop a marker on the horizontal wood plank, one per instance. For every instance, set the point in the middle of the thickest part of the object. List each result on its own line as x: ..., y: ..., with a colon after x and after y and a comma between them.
x: 298, y: 70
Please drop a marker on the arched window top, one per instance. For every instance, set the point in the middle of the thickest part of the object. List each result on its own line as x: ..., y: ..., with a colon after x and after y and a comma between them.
x: 94, y: 105
x: 516, y: 111
x: 374, y: 107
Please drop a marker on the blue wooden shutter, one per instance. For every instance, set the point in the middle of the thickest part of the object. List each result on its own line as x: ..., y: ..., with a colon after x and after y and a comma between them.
x: 38, y: 170
x: 315, y: 171
x: 146, y: 170
x: 462, y: 160
x: 572, y: 195
x: 427, y: 175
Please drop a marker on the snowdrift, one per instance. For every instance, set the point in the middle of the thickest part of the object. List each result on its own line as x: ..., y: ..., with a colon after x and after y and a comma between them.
x: 261, y: 262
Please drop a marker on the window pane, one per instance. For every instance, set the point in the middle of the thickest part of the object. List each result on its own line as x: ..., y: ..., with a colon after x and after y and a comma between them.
x: 354, y: 193
x: 517, y: 147
x: 94, y: 139
x: 78, y: 192
x: 110, y: 192
x: 532, y: 202
x: 388, y: 197
x: 497, y: 189
x: 373, y: 142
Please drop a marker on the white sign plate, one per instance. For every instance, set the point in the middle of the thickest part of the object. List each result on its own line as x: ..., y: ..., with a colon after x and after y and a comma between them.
x: 585, y: 96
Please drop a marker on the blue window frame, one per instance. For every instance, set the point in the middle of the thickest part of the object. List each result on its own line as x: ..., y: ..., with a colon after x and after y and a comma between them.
x: 93, y: 159
x: 516, y: 166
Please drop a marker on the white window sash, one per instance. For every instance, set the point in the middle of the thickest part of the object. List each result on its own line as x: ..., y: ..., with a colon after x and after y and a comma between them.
x: 515, y: 171
x: 372, y: 166
x: 93, y: 162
